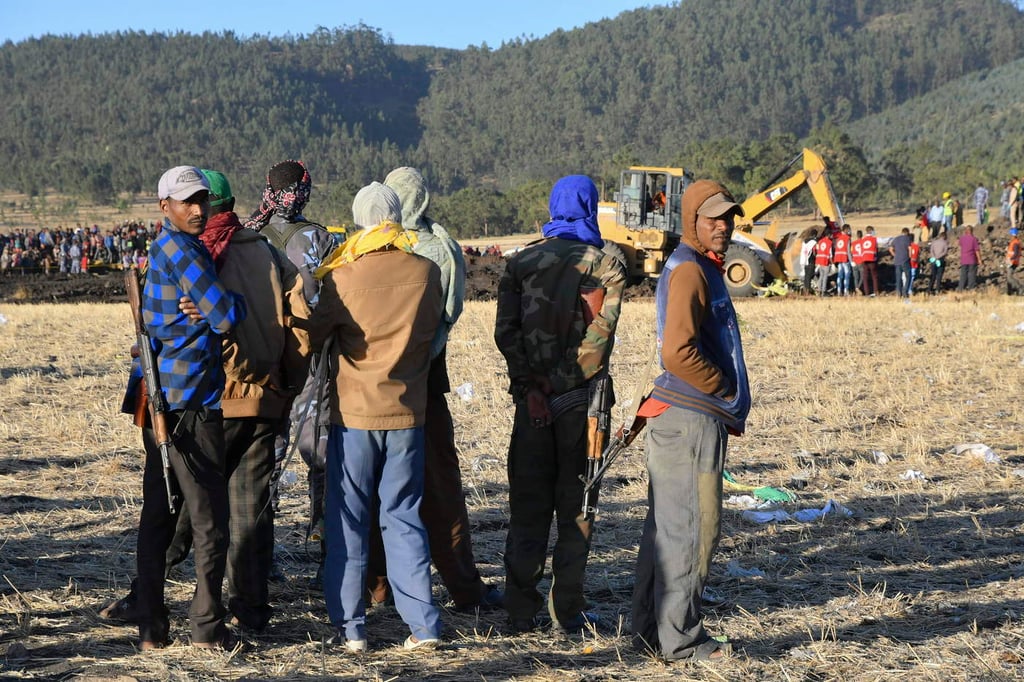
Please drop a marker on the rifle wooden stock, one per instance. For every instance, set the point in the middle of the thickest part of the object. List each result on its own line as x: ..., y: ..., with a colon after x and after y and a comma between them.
x: 598, y: 466
x: 151, y: 382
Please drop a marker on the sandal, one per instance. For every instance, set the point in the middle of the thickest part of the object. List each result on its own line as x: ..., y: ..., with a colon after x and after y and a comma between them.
x: 712, y: 649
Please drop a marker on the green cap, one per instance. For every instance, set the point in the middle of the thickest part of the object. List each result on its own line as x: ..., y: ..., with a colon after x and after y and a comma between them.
x: 220, y: 190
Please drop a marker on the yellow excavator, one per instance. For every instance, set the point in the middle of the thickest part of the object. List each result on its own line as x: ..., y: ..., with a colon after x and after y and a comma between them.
x: 643, y: 224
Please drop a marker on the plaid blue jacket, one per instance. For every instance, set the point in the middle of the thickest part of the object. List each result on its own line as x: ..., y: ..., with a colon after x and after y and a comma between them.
x: 180, y: 265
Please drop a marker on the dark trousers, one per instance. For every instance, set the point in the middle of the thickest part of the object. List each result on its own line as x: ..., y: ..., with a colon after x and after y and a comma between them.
x: 198, y: 474
x: 935, y: 277
x: 685, y: 459
x: 870, y: 277
x: 968, y: 277
x: 902, y: 273
x: 544, y: 469
x: 250, y: 455
x: 443, y: 509
x: 858, y: 277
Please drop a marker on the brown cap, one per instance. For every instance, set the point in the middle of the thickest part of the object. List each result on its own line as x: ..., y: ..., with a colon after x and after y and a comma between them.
x: 718, y: 205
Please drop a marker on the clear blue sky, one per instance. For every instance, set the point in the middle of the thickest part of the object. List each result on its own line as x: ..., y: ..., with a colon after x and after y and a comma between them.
x: 448, y: 23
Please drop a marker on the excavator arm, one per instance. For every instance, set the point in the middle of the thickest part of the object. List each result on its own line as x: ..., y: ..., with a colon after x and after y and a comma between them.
x: 813, y: 174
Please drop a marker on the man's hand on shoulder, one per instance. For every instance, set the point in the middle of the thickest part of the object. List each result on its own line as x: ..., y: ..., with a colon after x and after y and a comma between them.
x: 189, y: 308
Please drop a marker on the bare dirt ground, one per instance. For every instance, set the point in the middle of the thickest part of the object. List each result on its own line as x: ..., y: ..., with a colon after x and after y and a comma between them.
x: 860, y: 401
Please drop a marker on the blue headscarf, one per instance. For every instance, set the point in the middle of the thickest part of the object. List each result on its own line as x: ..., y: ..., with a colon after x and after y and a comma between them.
x: 573, y: 208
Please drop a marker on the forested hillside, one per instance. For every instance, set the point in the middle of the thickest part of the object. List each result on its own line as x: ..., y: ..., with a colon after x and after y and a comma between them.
x: 730, y: 87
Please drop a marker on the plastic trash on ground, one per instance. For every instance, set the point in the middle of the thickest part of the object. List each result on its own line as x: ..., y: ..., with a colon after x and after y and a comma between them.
x: 913, y: 475
x: 979, y: 450
x: 465, y: 391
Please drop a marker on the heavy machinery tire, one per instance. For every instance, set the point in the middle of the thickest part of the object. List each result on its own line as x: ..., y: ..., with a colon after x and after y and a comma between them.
x: 743, y: 270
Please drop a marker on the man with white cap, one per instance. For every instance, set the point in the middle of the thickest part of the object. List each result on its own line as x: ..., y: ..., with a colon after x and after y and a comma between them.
x: 701, y: 396
x: 382, y: 305
x: 188, y: 358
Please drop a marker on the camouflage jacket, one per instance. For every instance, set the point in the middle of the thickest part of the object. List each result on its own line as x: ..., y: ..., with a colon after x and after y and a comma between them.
x: 542, y: 323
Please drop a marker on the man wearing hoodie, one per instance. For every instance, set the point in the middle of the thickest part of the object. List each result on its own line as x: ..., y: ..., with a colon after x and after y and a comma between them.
x: 701, y: 396
x: 382, y: 305
x: 558, y: 305
x: 444, y: 504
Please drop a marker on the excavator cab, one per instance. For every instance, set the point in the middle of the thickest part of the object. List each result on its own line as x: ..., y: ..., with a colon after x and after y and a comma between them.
x: 649, y: 198
x: 642, y: 225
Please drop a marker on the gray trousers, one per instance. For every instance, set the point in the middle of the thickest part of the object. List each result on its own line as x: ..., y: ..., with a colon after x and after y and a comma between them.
x: 685, y: 459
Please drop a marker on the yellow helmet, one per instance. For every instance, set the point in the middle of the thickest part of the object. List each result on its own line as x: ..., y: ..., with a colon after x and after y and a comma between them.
x: 946, y: 195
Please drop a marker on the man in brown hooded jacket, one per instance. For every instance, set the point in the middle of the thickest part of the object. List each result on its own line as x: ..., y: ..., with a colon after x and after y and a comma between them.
x: 700, y: 398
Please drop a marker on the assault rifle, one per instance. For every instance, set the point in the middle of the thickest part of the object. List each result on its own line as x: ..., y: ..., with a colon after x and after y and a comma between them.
x: 598, y: 466
x: 598, y: 426
x: 155, y: 397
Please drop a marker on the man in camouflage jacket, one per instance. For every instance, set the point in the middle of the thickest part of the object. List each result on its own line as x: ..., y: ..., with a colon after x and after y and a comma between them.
x: 558, y: 304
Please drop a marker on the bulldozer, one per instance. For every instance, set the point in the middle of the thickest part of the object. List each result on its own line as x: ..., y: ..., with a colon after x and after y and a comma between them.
x: 643, y: 224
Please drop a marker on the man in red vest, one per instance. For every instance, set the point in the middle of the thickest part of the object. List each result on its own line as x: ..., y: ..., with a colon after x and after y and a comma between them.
x: 857, y: 257
x: 915, y: 259
x: 822, y: 260
x: 841, y: 257
x: 869, y: 252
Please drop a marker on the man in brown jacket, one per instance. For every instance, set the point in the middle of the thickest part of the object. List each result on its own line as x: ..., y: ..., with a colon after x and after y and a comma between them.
x: 382, y: 304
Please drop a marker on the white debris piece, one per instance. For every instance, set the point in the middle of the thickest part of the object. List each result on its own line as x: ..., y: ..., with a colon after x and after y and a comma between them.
x: 3, y: 320
x: 880, y: 457
x: 465, y: 391
x: 979, y: 450
x: 734, y: 570
x: 913, y: 475
x: 288, y: 478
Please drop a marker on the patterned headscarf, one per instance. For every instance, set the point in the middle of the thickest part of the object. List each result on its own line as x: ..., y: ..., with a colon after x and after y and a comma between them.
x: 286, y: 201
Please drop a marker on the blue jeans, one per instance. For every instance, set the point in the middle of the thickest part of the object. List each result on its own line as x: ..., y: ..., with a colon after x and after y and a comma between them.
x: 361, y: 466
x: 843, y: 278
x: 903, y: 279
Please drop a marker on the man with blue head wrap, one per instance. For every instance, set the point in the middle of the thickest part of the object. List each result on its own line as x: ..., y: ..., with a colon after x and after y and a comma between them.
x: 558, y: 304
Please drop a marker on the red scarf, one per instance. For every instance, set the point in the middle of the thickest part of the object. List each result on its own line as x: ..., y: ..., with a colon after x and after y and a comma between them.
x: 217, y: 235
x: 719, y: 261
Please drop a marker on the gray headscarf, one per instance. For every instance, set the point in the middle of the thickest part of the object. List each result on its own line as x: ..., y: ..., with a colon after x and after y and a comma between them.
x: 375, y: 204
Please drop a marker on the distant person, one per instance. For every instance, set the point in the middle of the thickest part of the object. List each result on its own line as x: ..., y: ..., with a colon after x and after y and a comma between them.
x: 938, y: 251
x: 869, y: 251
x: 970, y: 259
x: 1014, y: 284
x: 900, y: 251
x: 841, y: 258
x: 857, y: 259
x: 822, y: 262
x: 935, y: 218
x: 810, y: 239
x: 981, y: 203
x: 1004, y: 200
x: 915, y: 260
x: 948, y: 209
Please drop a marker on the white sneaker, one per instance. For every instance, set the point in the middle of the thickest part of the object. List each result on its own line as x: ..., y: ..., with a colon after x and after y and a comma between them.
x: 413, y: 644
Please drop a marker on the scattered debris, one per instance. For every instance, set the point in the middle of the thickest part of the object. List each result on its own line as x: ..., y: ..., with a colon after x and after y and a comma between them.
x: 288, y: 478
x: 913, y: 475
x: 880, y: 457
x: 978, y: 450
x: 465, y: 391
x: 734, y: 570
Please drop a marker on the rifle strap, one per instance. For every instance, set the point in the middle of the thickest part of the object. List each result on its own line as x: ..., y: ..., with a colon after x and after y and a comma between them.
x: 280, y: 239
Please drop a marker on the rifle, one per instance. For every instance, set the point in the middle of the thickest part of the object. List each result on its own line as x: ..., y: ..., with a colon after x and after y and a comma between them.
x: 157, y: 402
x: 599, y: 407
x: 599, y: 460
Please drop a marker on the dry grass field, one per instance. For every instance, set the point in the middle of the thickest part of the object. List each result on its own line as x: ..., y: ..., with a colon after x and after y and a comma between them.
x: 924, y: 582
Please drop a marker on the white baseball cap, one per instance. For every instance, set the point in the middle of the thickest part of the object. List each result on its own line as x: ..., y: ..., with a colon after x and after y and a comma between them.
x: 181, y: 182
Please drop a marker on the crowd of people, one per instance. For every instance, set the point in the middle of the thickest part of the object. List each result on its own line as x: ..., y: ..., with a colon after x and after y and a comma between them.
x: 75, y: 250
x: 257, y: 327
x: 852, y: 259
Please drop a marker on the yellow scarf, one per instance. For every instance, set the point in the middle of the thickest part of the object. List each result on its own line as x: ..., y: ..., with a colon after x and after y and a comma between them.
x: 386, y: 234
